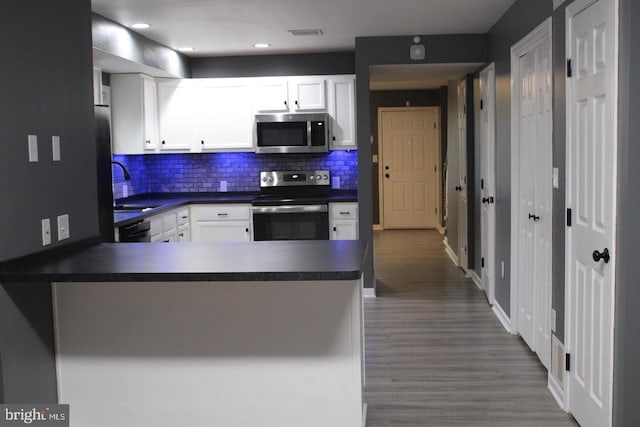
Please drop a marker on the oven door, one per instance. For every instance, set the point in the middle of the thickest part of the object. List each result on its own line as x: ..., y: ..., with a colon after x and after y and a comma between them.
x: 291, y: 222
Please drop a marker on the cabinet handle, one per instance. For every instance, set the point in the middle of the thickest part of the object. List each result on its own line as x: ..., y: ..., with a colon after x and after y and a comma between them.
x: 148, y: 141
x: 223, y: 214
x: 202, y: 142
x: 163, y: 142
x: 335, y: 229
x: 296, y: 102
x: 246, y: 229
x: 181, y: 234
x: 165, y: 241
x: 184, y: 217
x: 333, y: 138
x: 345, y: 213
x: 285, y: 103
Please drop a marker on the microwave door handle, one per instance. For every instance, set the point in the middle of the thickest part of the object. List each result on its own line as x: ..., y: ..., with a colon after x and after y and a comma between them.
x: 309, y: 133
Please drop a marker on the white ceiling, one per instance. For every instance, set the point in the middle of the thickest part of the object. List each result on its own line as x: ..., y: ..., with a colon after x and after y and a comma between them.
x: 231, y: 27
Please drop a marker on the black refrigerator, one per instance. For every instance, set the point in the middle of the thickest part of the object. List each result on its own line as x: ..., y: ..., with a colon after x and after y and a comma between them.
x: 104, y: 172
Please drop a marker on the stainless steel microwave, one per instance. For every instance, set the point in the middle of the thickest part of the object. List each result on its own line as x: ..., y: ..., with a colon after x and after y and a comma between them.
x: 292, y: 133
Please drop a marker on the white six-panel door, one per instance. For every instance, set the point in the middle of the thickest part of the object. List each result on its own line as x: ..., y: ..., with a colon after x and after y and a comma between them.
x: 463, y: 206
x: 410, y: 172
x: 591, y: 196
x: 487, y: 188
x: 531, y: 187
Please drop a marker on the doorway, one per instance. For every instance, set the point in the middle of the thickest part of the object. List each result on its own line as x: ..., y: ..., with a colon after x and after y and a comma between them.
x: 409, y: 147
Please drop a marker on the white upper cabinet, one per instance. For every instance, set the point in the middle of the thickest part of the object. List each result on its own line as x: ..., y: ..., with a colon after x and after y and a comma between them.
x: 224, y: 115
x: 217, y: 114
x: 290, y: 95
x: 342, y: 96
x: 134, y: 113
x: 175, y: 114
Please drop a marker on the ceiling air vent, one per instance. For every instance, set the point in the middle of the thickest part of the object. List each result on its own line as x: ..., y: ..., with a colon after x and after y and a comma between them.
x: 315, y: 32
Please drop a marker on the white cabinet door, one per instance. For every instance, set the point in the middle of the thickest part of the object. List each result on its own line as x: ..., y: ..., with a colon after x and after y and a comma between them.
x: 221, y: 223
x: 184, y: 233
x: 343, y: 221
x: 271, y: 95
x: 224, y: 116
x: 175, y: 111
x: 134, y: 113
x: 308, y: 94
x: 342, y: 109
x: 150, y: 113
x: 222, y: 231
x: 282, y: 94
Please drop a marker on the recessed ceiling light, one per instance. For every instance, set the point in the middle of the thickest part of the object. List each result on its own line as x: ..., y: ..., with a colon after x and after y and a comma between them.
x: 140, y: 26
x: 261, y: 45
x: 186, y: 49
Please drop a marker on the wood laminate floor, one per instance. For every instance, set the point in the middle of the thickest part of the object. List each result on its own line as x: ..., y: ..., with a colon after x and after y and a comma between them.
x: 436, y: 355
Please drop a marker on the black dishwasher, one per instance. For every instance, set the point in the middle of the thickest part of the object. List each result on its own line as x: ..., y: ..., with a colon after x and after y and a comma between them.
x: 137, y: 232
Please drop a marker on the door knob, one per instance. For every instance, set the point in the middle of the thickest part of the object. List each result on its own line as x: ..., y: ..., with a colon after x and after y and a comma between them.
x: 604, y: 255
x: 458, y: 188
x: 534, y: 217
x: 488, y: 200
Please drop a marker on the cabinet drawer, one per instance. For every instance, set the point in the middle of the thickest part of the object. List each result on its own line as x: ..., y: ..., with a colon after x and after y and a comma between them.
x: 344, y: 210
x: 169, y: 222
x: 183, y: 216
x: 221, y: 212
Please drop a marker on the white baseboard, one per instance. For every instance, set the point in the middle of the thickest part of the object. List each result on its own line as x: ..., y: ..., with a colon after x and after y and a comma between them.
x: 502, y: 317
x: 556, y: 391
x: 476, y: 279
x: 378, y: 227
x: 369, y: 292
x: 450, y: 252
x: 441, y: 229
x: 364, y: 414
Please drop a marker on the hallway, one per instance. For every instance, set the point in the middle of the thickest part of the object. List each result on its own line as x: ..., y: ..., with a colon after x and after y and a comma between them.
x: 435, y: 353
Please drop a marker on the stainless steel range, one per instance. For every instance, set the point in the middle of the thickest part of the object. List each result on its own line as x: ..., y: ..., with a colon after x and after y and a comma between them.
x: 293, y: 205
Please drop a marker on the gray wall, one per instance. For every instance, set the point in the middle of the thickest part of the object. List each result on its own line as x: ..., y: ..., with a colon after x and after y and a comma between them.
x: 516, y: 23
x: 469, y: 48
x: 47, y: 90
x: 627, y: 340
x: 274, y: 65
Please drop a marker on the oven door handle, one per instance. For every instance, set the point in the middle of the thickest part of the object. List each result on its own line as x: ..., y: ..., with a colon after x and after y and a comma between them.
x: 259, y: 210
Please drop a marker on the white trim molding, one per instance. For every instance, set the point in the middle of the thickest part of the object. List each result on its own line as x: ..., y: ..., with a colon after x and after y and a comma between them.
x: 476, y: 279
x: 450, y: 252
x: 369, y: 292
x: 557, y: 3
x: 502, y: 317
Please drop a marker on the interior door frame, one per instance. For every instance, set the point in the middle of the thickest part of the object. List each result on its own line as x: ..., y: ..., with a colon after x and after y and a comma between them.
x: 382, y: 110
x: 571, y: 11
x: 526, y: 44
x: 490, y: 104
x: 463, y: 176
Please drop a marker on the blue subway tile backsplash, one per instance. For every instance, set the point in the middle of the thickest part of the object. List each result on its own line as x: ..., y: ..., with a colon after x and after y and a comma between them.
x: 161, y: 173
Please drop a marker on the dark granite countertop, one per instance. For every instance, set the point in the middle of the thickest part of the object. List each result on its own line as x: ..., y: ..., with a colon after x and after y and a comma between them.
x: 163, y: 202
x: 325, y: 260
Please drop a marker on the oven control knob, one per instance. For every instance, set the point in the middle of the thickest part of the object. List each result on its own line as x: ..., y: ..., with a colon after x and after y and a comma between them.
x: 264, y: 179
x: 319, y: 177
x: 312, y: 177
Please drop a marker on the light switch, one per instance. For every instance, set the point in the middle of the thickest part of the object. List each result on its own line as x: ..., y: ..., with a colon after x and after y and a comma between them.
x: 63, y: 227
x: 555, y: 180
x: 32, y: 141
x: 46, y: 232
x: 55, y: 147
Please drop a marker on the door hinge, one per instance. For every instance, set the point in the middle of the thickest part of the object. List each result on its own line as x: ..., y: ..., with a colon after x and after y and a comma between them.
x: 482, y: 104
x: 482, y: 262
x: 569, y: 212
x: 435, y: 126
x: 482, y: 184
x: 569, y: 68
x: 436, y: 209
x: 567, y: 362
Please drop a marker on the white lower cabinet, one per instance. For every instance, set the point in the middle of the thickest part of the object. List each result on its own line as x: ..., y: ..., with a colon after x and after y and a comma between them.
x: 221, y: 223
x: 172, y: 226
x: 343, y: 221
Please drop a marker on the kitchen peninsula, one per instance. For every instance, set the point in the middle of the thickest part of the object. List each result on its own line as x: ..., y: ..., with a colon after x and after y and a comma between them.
x: 227, y: 334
